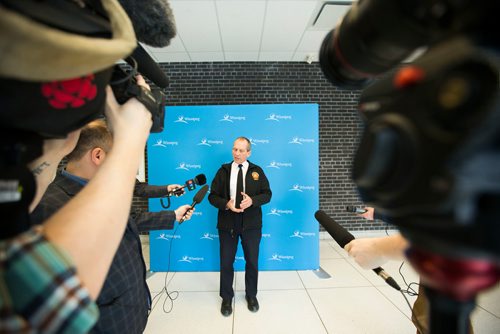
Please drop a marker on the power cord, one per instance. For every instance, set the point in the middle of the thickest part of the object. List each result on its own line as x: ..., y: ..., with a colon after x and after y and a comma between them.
x: 408, y: 290
x: 173, y: 295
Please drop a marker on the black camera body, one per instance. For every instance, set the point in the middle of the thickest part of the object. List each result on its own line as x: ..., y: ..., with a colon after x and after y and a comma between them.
x: 424, y: 143
x: 125, y: 86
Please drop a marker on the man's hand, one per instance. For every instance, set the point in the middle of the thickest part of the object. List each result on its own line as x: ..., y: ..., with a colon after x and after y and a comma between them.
x: 366, y: 252
x: 230, y: 205
x: 172, y: 188
x: 246, y: 202
x: 368, y: 214
x: 184, y: 209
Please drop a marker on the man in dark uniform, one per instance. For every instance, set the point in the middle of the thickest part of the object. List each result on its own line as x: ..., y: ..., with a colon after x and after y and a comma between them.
x: 238, y: 190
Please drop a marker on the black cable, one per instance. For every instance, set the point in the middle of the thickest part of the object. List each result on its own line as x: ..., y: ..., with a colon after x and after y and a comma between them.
x: 173, y: 295
x: 409, y: 290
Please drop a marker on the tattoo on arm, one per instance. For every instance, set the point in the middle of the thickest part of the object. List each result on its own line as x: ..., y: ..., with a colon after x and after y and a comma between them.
x: 39, y: 169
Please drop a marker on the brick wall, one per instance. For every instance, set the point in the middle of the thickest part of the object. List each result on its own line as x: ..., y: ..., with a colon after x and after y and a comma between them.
x: 284, y: 82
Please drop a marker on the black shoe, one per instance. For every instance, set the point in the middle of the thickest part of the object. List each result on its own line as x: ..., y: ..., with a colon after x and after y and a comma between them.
x: 226, y: 309
x: 252, y: 303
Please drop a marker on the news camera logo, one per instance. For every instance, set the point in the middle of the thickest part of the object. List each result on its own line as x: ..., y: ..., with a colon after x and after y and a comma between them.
x: 302, y: 235
x: 301, y: 141
x: 209, y: 236
x: 278, y: 212
x: 188, y: 167
x: 165, y: 143
x: 279, y: 258
x: 299, y: 188
x: 164, y: 236
x: 190, y: 259
x: 207, y: 142
x: 277, y: 118
x: 279, y: 165
x: 239, y: 258
x: 230, y: 119
x: 186, y: 120
x: 266, y: 235
x: 255, y: 142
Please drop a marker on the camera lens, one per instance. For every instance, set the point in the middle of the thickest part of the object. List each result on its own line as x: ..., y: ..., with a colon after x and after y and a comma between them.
x: 333, y: 68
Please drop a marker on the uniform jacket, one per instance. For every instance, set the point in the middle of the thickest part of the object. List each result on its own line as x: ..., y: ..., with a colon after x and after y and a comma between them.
x: 256, y: 186
x: 124, y: 298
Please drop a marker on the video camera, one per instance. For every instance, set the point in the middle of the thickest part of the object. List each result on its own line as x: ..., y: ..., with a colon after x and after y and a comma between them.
x: 124, y: 85
x: 429, y: 156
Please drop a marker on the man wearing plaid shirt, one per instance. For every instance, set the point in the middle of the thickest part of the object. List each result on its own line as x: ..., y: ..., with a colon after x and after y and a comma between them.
x: 124, y: 301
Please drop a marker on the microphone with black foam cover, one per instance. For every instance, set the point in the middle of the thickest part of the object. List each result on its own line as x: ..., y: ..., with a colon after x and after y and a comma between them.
x: 343, y: 237
x: 153, y: 21
x: 198, y: 198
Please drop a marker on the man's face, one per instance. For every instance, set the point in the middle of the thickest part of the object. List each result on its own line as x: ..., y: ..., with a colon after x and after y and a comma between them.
x: 240, y: 151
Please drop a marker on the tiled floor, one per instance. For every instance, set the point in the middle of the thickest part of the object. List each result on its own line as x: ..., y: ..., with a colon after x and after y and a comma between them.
x: 351, y: 301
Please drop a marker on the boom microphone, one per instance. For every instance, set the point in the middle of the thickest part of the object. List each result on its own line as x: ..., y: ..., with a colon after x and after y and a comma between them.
x: 153, y: 21
x: 200, y: 195
x: 343, y: 237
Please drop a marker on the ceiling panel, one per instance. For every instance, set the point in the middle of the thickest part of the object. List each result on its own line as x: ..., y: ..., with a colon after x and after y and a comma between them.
x: 245, y: 30
x: 164, y: 57
x: 241, y: 24
x: 276, y: 56
x: 285, y: 23
x: 176, y: 45
x: 207, y: 56
x: 197, y: 25
x: 311, y: 40
x: 241, y: 56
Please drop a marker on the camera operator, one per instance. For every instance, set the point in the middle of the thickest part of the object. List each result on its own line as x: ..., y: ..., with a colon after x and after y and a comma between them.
x: 50, y: 277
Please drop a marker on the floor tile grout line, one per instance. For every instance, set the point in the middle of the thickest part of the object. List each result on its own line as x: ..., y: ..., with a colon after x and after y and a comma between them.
x: 312, y: 302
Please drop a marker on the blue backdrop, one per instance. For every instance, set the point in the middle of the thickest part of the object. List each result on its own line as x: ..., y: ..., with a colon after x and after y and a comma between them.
x: 198, y: 139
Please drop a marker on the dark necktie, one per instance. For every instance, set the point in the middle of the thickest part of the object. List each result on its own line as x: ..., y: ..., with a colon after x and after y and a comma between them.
x: 239, y: 187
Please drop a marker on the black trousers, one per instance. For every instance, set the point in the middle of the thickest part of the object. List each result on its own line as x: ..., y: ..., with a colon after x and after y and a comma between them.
x: 250, y: 241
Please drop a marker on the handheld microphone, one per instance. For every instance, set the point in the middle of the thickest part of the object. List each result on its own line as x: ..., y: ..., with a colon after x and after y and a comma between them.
x: 343, y: 237
x: 355, y: 209
x: 200, y: 195
x: 191, y: 184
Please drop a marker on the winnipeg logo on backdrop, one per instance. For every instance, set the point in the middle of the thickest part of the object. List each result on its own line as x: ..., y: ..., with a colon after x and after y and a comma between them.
x: 165, y: 143
x: 278, y: 212
x: 190, y: 259
x: 279, y: 258
x: 277, y: 118
x: 255, y: 142
x: 186, y: 120
x: 209, y: 236
x: 301, y: 235
x: 301, y: 141
x: 299, y: 188
x: 185, y: 166
x: 164, y: 236
x: 279, y: 165
x: 231, y: 119
x: 208, y: 142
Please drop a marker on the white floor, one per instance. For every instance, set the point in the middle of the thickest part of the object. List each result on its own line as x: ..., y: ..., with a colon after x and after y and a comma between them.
x: 351, y: 301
